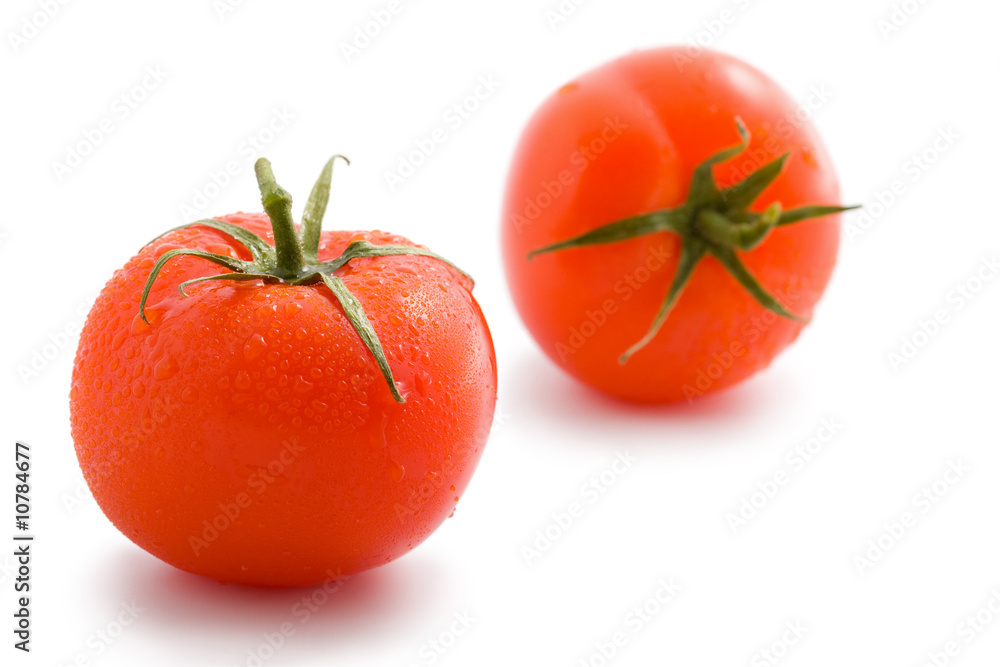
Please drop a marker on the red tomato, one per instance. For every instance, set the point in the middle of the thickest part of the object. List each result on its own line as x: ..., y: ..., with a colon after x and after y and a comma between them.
x: 625, y: 140
x: 247, y: 434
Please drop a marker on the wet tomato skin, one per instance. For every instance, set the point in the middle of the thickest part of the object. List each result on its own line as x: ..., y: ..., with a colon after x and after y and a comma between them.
x: 623, y: 140
x: 246, y: 433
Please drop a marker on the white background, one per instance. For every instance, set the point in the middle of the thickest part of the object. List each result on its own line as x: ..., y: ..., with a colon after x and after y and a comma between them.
x: 666, y: 517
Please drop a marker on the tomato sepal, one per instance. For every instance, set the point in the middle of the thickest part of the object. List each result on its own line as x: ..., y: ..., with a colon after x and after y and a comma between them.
x: 809, y: 212
x: 692, y: 250
x: 261, y: 251
x: 362, y: 248
x: 312, y: 216
x: 732, y: 262
x: 236, y: 265
x: 238, y: 277
x: 356, y: 315
x: 293, y: 259
x: 711, y: 221
x: 675, y: 220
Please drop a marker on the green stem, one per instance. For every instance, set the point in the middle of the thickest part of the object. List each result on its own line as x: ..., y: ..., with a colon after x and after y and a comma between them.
x: 278, y: 205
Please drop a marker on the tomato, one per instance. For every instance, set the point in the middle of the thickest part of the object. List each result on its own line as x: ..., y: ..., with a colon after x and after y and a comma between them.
x: 247, y: 432
x: 648, y: 277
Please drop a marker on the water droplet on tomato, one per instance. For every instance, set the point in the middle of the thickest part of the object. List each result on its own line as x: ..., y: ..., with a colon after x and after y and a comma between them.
x: 189, y: 395
x: 243, y: 380
x: 119, y: 339
x: 420, y: 383
x: 397, y: 472
x: 222, y: 249
x: 292, y: 308
x: 138, y: 326
x: 254, y: 347
x: 378, y: 439
x: 166, y: 368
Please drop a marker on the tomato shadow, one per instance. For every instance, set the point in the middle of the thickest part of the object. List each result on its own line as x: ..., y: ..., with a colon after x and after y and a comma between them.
x: 192, y: 615
x: 535, y: 390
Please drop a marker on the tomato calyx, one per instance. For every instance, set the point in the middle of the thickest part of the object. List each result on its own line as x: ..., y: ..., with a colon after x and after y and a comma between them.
x: 294, y: 257
x: 712, y: 221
